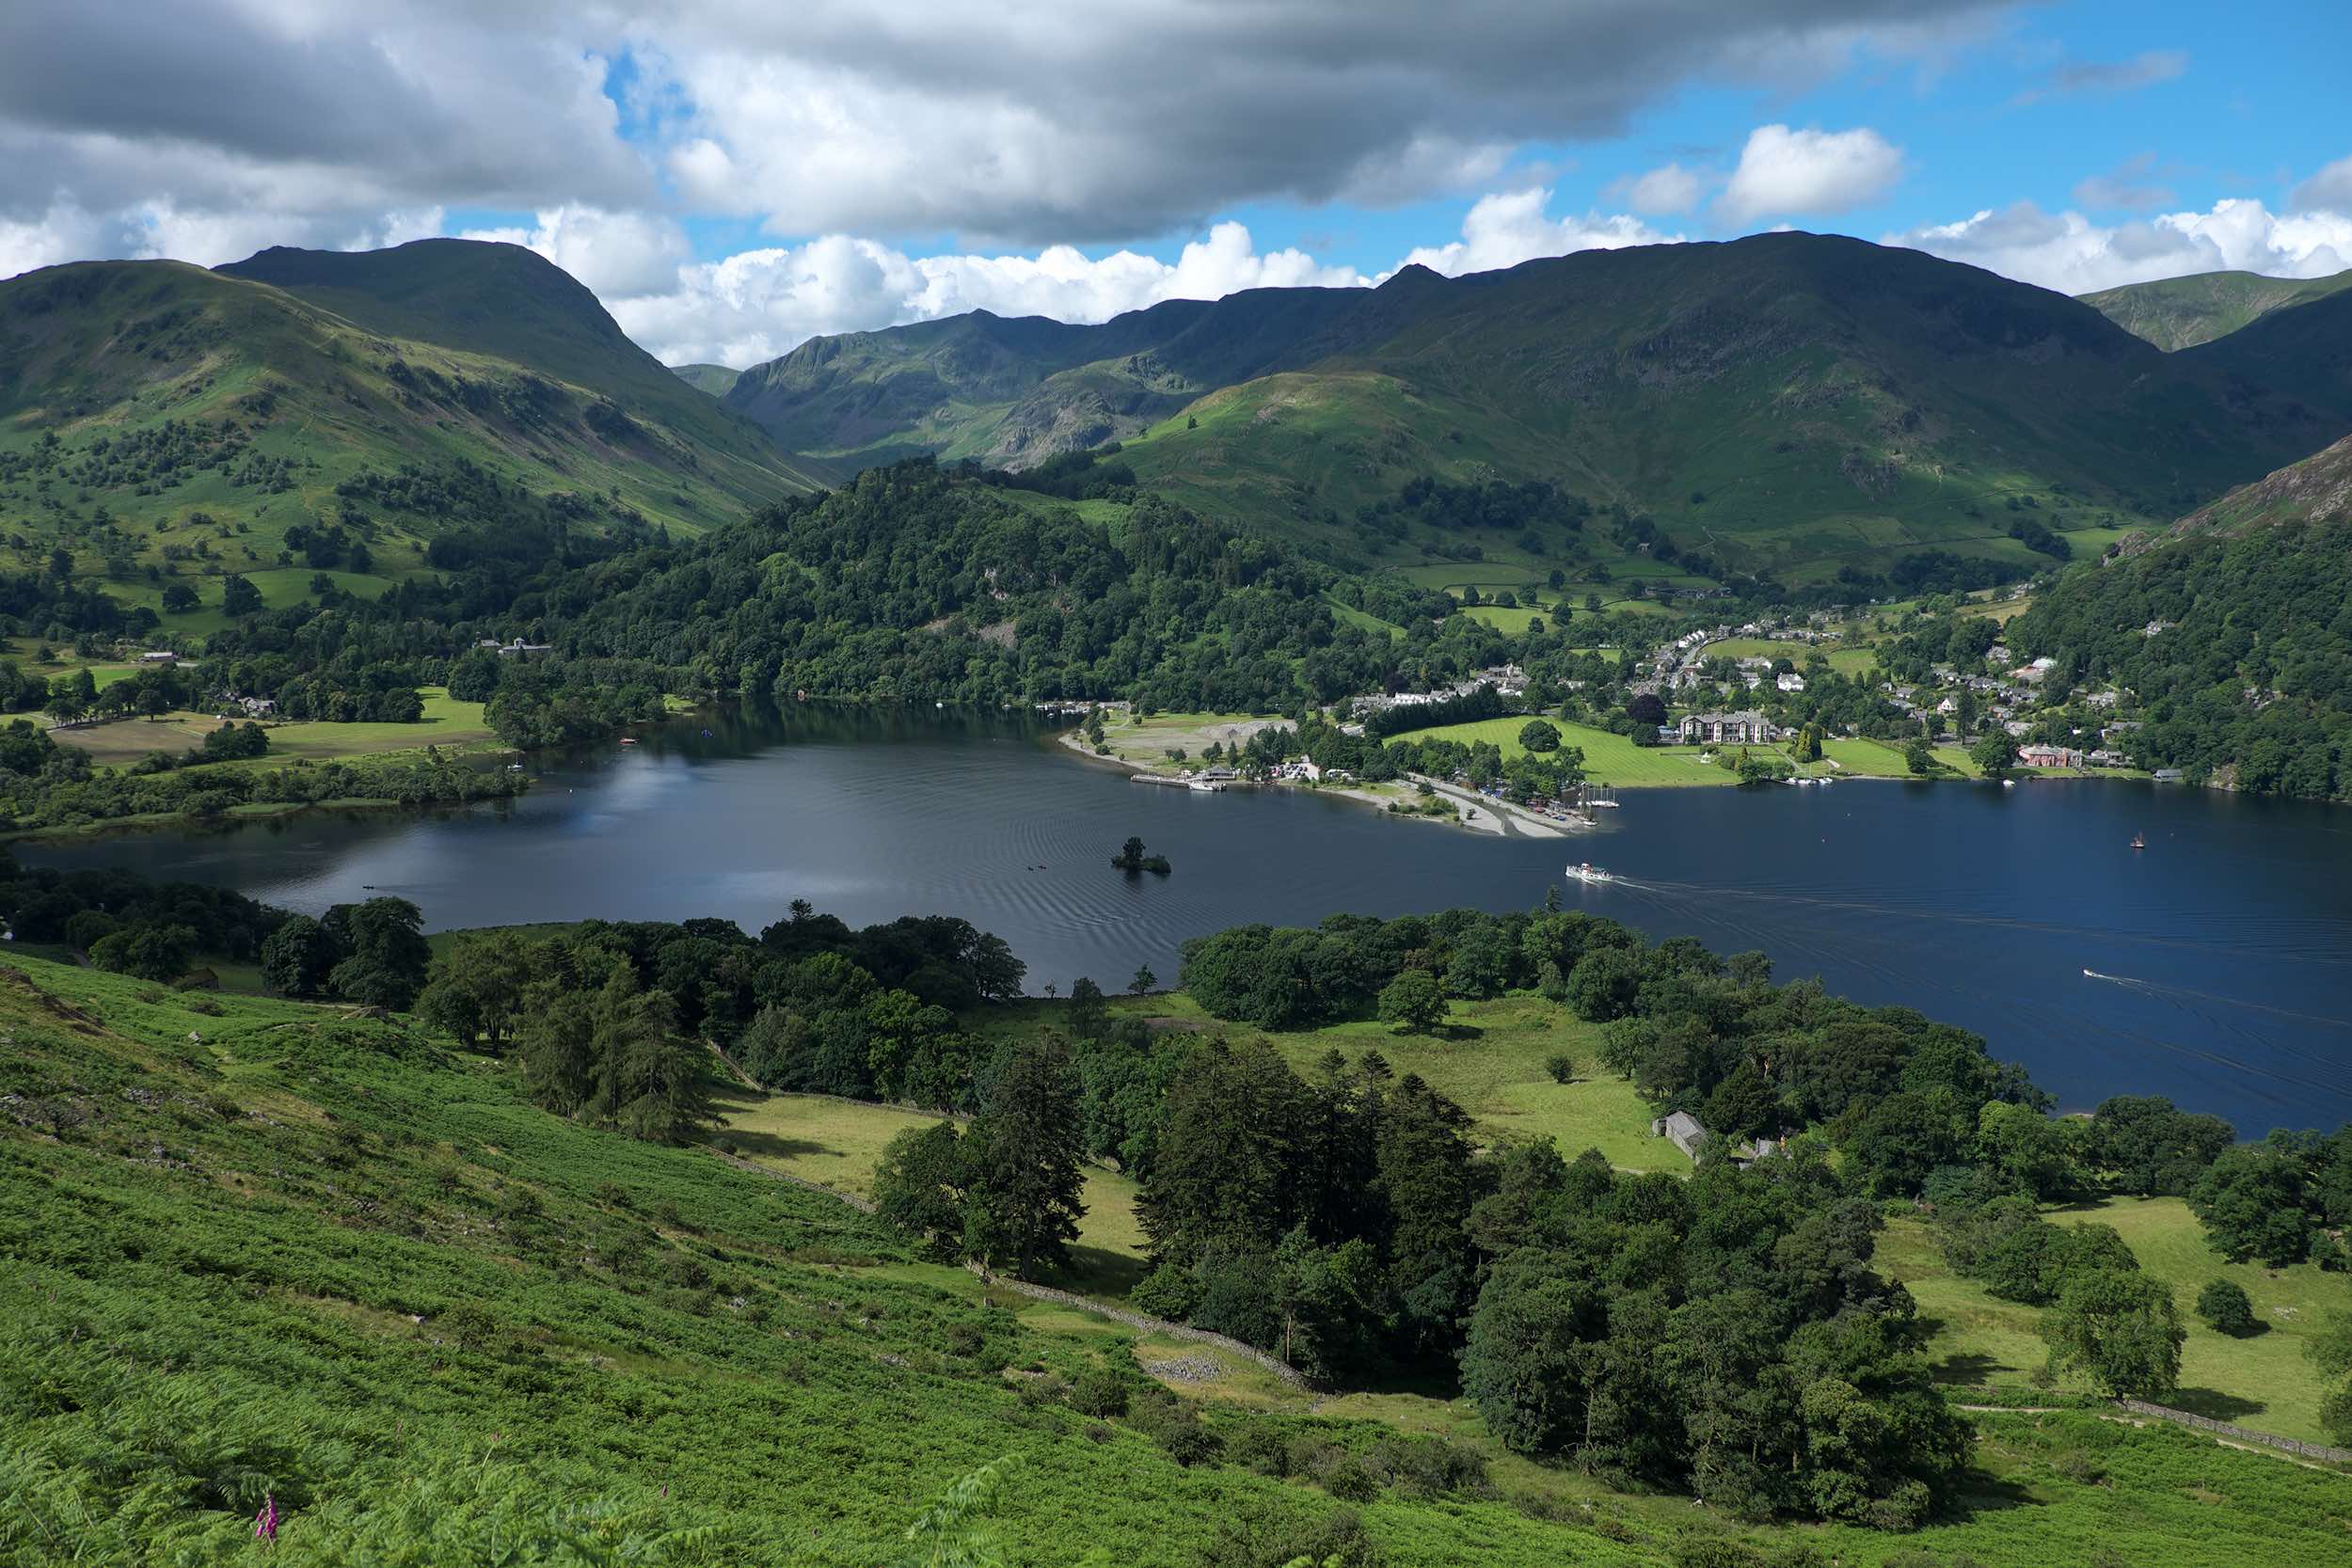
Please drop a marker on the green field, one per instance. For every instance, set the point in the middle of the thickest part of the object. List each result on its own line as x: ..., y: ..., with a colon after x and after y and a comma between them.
x: 1514, y: 619
x: 836, y: 1143
x: 1146, y: 742
x: 1844, y: 659
x: 1348, y: 615
x: 2260, y: 1382
x: 1490, y: 1062
x: 1609, y: 759
x: 446, y: 723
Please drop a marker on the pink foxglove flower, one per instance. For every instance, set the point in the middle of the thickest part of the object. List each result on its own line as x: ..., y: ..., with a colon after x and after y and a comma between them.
x: 266, y: 1522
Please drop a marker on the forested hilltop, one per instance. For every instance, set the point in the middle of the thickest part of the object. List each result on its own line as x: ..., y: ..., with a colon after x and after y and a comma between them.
x: 2233, y: 632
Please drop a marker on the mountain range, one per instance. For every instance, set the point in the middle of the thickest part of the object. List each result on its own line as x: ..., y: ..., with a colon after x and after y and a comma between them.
x: 1786, y: 401
x: 1788, y: 404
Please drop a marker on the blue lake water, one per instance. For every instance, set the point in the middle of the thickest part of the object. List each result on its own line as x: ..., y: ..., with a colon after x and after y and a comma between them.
x: 2223, y: 951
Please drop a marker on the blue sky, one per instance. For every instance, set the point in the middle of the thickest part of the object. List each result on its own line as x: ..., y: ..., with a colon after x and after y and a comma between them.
x: 733, y: 176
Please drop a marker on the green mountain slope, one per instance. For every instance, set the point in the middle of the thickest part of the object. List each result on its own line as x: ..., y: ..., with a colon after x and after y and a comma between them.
x: 1016, y: 390
x: 712, y: 380
x: 2302, y: 349
x: 2182, y: 312
x: 159, y: 420
x: 1788, y: 403
x: 2318, y: 490
x: 2230, y: 633
x: 512, y: 303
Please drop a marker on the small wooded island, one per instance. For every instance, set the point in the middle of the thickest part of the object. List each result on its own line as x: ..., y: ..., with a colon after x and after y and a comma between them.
x: 1132, y: 860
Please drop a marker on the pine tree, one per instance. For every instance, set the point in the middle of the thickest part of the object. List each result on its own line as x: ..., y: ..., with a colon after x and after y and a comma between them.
x: 1024, y: 1185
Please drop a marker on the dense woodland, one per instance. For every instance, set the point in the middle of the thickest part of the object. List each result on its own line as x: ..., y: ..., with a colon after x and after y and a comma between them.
x: 2236, y: 645
x: 1727, y: 1334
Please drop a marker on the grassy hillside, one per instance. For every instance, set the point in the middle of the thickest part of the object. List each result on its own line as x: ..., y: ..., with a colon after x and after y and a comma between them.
x: 2259, y: 1381
x: 1018, y: 389
x: 2182, y: 312
x: 2304, y: 348
x: 1790, y: 402
x: 259, y: 1248
x: 713, y: 380
x: 158, y: 419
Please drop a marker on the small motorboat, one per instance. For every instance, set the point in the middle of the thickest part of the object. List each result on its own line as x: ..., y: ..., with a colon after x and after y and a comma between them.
x: 1585, y: 871
x: 2139, y: 841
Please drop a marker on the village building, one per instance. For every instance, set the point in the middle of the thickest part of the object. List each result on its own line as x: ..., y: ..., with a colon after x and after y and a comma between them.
x: 1682, y: 1130
x: 1745, y: 728
x: 2049, y: 756
x: 1791, y: 682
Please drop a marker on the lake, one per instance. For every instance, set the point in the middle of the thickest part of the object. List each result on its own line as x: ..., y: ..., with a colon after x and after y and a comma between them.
x: 2222, y: 952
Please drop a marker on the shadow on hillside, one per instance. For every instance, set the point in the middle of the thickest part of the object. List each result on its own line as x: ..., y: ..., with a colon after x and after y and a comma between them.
x: 1984, y: 1493
x: 1966, y: 1369
x: 2214, y: 1404
x: 768, y: 1146
x: 1099, y: 1272
x: 728, y: 1097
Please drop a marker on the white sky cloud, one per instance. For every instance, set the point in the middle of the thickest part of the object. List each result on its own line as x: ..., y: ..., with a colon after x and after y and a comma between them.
x: 763, y: 303
x: 616, y: 254
x: 1511, y: 227
x: 2329, y: 189
x: 1669, y: 189
x: 1784, y: 172
x: 2068, y: 252
x: 1002, y: 134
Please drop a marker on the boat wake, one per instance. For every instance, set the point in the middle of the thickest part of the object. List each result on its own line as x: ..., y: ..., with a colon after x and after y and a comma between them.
x: 2161, y: 988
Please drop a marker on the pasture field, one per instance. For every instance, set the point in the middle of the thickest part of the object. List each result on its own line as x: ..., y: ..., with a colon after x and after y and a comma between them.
x: 836, y: 1144
x: 1348, y: 615
x: 448, y: 724
x: 1844, y: 659
x: 1512, y: 619
x: 63, y: 661
x: 2261, y: 1381
x: 1609, y: 759
x: 1489, y: 1060
x: 1146, y: 742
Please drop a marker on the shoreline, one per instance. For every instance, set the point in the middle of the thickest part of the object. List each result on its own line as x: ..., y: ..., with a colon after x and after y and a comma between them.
x: 270, y: 811
x: 1495, y: 816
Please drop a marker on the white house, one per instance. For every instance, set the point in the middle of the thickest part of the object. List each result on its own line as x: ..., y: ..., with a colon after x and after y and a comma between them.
x: 1791, y: 682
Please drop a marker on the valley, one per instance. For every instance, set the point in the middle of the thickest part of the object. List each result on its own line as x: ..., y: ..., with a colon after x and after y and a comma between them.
x: 816, y: 959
